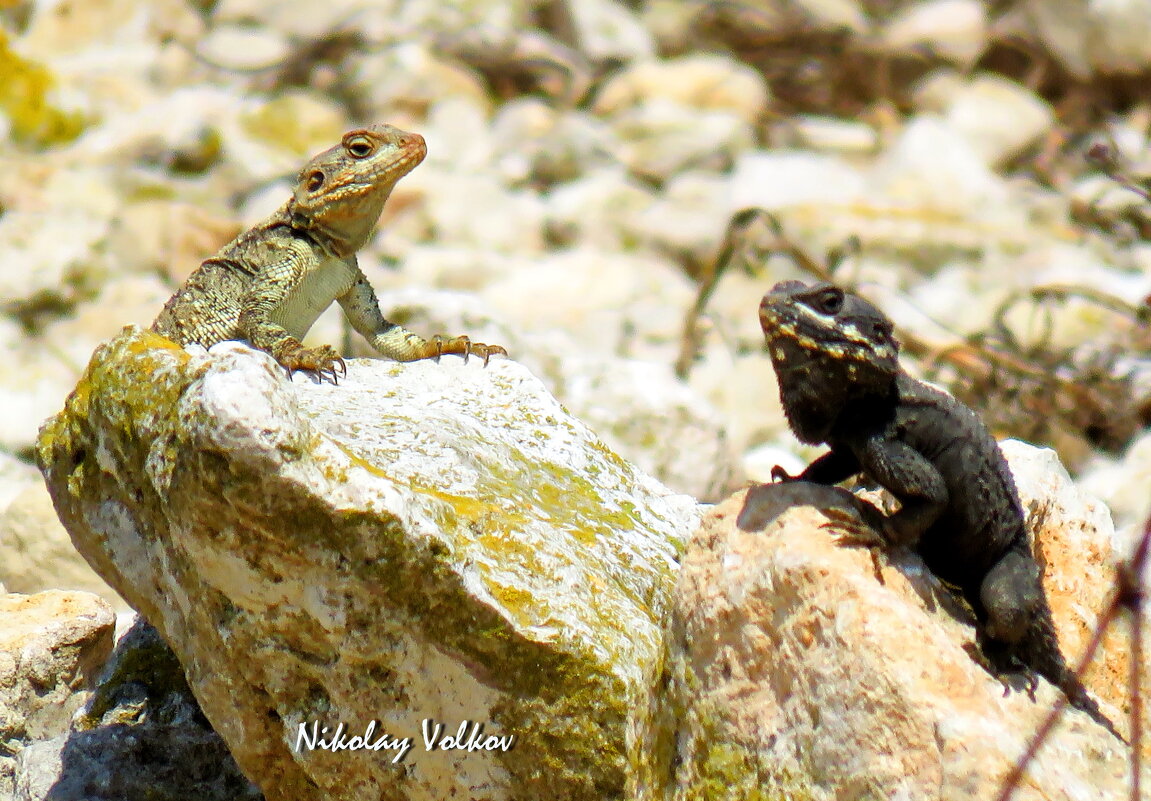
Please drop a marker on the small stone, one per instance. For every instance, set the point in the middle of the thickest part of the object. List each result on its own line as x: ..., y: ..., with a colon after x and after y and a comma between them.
x: 778, y: 179
x: 243, y: 47
x: 606, y: 30
x: 609, y: 302
x: 999, y: 117
x: 1113, y: 37
x: 955, y: 30
x: 36, y: 553
x: 830, y: 135
x: 600, y: 210
x: 663, y: 137
x: 699, y: 82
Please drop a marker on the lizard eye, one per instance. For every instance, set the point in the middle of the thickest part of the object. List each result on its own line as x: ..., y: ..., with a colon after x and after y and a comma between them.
x: 829, y: 301
x: 360, y: 148
x: 315, y: 181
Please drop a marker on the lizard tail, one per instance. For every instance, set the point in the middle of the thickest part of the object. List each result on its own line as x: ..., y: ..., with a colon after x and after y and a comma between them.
x: 1051, y: 665
x: 1079, y: 698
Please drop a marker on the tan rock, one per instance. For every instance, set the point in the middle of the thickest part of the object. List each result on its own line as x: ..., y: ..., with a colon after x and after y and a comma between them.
x: 51, y: 646
x: 798, y: 672
x: 36, y: 553
x: 139, y: 735
x: 1074, y: 539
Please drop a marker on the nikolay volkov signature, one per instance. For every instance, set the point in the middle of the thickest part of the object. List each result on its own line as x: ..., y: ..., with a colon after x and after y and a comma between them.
x: 468, y: 737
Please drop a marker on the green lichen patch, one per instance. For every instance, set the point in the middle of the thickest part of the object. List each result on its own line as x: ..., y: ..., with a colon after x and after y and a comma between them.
x: 24, y: 96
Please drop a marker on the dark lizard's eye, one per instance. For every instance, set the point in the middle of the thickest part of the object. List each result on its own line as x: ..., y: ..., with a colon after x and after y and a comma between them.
x: 829, y: 301
x: 360, y: 148
x: 315, y: 181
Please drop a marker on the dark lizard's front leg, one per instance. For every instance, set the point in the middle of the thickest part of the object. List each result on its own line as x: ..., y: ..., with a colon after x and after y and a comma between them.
x: 912, y: 479
x: 838, y: 464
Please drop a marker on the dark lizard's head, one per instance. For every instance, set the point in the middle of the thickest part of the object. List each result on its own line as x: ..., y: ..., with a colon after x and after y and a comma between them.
x: 830, y: 349
x: 340, y: 193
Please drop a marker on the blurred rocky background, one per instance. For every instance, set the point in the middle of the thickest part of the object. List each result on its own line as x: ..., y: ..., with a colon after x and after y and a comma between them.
x: 980, y: 168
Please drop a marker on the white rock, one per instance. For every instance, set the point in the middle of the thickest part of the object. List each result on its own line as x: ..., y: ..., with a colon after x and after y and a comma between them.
x: 1111, y: 36
x: 598, y: 210
x: 999, y: 117
x: 778, y: 179
x: 477, y: 210
x: 644, y: 413
x: 607, y: 30
x: 933, y: 168
x: 663, y: 137
x: 687, y: 218
x: 538, y: 143
x: 952, y: 29
x: 701, y: 82
x: 1123, y: 485
x: 411, y: 77
x: 244, y: 47
x: 830, y: 135
x: 609, y: 302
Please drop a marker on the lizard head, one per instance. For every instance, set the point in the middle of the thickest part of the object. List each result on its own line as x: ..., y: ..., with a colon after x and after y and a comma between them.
x: 829, y: 348
x: 821, y: 324
x: 341, y: 192
x: 832, y: 351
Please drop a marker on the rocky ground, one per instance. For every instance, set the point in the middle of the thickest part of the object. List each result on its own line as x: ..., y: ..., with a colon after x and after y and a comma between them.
x: 972, y: 166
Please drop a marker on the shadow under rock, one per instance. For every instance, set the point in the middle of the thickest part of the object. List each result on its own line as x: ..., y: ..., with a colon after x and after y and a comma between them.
x: 143, y: 738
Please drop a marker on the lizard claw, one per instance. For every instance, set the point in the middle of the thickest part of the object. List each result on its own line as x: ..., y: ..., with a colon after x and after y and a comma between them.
x: 851, y: 531
x: 322, y: 363
x: 463, y: 346
x: 779, y: 475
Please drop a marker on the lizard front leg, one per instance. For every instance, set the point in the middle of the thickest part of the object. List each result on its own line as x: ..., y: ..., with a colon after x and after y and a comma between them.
x: 912, y: 479
x: 838, y: 464
x: 396, y: 342
x: 277, y: 282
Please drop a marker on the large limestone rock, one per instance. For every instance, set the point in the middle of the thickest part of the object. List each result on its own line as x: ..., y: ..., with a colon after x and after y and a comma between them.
x: 428, y: 541
x: 804, y: 669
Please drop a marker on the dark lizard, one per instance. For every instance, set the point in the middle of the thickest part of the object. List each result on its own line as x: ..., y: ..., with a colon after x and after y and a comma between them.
x: 270, y: 283
x: 837, y: 362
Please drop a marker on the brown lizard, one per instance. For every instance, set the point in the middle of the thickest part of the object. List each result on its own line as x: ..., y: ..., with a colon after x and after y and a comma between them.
x: 269, y: 284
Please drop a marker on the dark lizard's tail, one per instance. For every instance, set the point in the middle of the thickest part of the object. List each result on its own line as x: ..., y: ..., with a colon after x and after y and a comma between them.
x: 1048, y: 662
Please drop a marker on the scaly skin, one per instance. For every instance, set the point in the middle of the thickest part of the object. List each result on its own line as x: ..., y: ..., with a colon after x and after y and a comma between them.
x: 270, y: 283
x: 840, y: 383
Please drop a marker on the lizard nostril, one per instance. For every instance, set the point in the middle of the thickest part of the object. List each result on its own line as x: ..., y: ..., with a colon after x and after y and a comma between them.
x: 315, y: 181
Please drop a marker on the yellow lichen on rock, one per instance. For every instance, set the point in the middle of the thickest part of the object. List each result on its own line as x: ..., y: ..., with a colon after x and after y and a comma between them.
x: 25, y: 94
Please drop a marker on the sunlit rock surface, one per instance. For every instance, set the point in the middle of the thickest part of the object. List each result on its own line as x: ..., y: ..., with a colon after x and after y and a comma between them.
x: 422, y: 541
